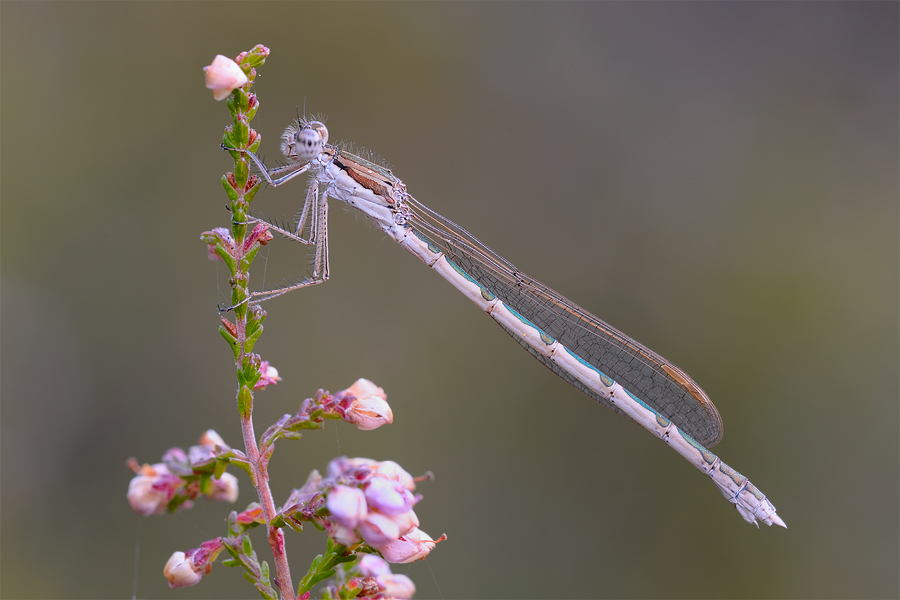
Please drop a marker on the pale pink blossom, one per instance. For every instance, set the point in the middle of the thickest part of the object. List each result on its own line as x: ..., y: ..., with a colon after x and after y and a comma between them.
x: 340, y: 466
x: 369, y: 412
x: 371, y: 565
x: 378, y: 529
x: 223, y: 489
x: 219, y: 235
x: 363, y: 387
x: 415, y: 545
x: 399, y: 587
x: 199, y: 455
x: 211, y: 438
x: 151, y: 489
x: 224, y: 76
x: 388, y: 497
x: 347, y: 505
x: 391, y: 470
x: 406, y: 521
x: 269, y: 376
x: 344, y: 535
x: 179, y: 570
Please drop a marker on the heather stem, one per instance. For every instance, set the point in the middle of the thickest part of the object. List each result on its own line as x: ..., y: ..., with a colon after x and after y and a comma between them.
x: 241, y: 188
x: 275, y: 535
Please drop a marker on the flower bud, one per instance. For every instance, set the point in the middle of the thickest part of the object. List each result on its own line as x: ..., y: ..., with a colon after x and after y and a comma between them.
x: 342, y: 466
x: 180, y: 571
x: 395, y: 472
x: 344, y: 535
x: 224, y: 76
x: 200, y: 455
x: 151, y: 490
x: 415, y: 545
x: 406, y: 521
x: 144, y: 499
x: 269, y: 376
x: 363, y: 387
x: 211, y: 438
x: 371, y: 565
x: 399, y: 587
x: 347, y: 505
x: 223, y: 489
x: 388, y: 497
x: 378, y: 530
x: 369, y: 412
x: 219, y: 235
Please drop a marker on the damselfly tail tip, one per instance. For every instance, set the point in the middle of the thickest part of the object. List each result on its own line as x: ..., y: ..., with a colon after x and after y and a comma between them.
x: 776, y: 520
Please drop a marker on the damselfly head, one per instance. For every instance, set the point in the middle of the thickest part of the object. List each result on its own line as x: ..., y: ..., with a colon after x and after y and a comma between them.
x: 301, y: 142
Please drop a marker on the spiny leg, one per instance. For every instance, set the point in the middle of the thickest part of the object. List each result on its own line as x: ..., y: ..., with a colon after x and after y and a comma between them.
x: 317, y: 203
x: 292, y: 170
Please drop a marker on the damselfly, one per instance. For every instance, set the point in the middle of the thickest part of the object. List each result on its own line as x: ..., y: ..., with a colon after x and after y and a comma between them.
x: 599, y: 360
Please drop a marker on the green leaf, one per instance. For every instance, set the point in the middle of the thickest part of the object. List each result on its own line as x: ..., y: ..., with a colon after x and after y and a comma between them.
x: 245, y: 401
x: 235, y: 348
x: 242, y: 134
x: 241, y: 172
x: 220, y: 467
x: 232, y: 193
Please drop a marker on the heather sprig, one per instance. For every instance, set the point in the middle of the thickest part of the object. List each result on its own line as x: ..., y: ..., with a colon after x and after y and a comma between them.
x: 365, y: 506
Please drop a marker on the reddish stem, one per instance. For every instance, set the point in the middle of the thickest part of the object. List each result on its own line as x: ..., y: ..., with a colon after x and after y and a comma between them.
x: 276, y: 536
x: 258, y: 468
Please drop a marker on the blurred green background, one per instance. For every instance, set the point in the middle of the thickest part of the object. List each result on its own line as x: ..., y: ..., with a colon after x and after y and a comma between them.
x: 719, y: 181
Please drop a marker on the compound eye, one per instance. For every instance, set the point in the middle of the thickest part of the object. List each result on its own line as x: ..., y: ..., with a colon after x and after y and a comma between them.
x: 308, y: 144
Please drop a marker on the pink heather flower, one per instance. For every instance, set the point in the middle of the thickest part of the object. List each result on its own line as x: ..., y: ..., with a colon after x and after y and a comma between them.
x: 378, y: 530
x: 184, y: 569
x: 342, y: 466
x: 197, y: 455
x: 224, y: 76
x: 369, y: 412
x: 388, y: 497
x: 269, y: 376
x: 414, y: 545
x: 344, y: 535
x: 206, y: 451
x: 223, y: 489
x: 363, y: 387
x: 218, y: 235
x: 391, y: 470
x: 406, y: 522
x: 211, y: 438
x: 150, y: 491
x: 347, y: 505
x: 372, y: 566
x: 399, y: 587
x: 180, y: 572
x: 258, y: 235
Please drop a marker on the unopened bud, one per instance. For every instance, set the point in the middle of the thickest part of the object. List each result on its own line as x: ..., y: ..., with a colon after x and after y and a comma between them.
x: 269, y: 376
x: 369, y: 412
x: 223, y: 489
x: 224, y: 76
x: 399, y: 587
x: 347, y: 505
x: 415, y: 545
x: 378, y: 530
x: 180, y: 571
x: 211, y: 438
x: 388, y: 497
